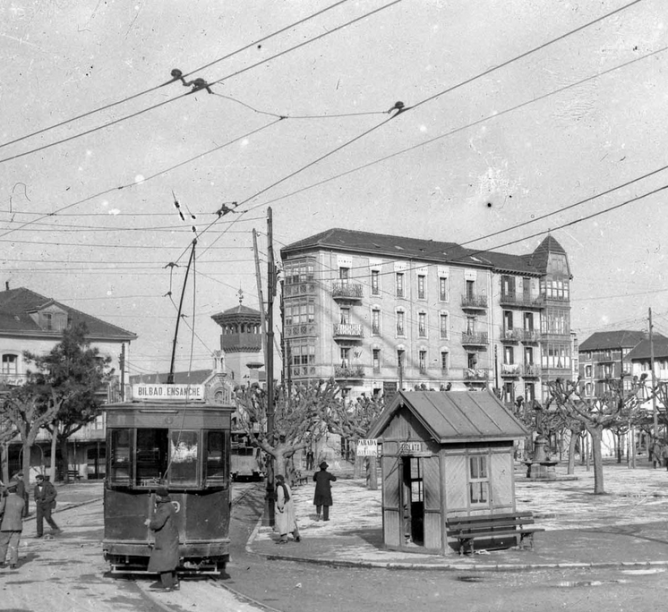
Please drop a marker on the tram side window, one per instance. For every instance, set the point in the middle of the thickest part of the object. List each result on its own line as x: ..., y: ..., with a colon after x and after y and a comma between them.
x: 183, y: 461
x: 152, y: 456
x: 215, y: 458
x: 120, y: 456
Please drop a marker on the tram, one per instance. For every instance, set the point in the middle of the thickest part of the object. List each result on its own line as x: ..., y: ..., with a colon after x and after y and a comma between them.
x: 181, y: 445
x: 246, y: 461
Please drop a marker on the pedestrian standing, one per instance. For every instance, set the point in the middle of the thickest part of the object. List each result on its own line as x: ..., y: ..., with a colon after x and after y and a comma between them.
x: 323, y: 491
x: 45, y: 502
x: 165, y: 554
x: 286, y: 521
x: 22, y: 492
x: 309, y: 460
x: 664, y: 455
x: 655, y: 453
x: 11, y: 511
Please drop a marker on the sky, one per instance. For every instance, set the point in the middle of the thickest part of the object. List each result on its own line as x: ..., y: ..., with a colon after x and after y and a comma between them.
x: 513, y: 111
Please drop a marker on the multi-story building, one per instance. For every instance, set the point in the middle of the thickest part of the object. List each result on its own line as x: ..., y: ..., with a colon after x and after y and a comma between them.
x: 35, y: 323
x: 379, y: 312
x: 603, y: 356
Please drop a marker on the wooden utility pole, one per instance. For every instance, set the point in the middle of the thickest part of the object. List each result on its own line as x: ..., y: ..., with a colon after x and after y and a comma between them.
x: 269, y: 367
x: 655, y: 431
x: 258, y: 278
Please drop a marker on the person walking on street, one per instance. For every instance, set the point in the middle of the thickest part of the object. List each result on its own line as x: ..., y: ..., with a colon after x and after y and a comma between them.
x: 309, y: 460
x: 285, y: 520
x: 11, y: 511
x: 655, y: 453
x: 664, y: 455
x: 322, y: 499
x: 22, y: 492
x: 45, y: 502
x: 164, y: 557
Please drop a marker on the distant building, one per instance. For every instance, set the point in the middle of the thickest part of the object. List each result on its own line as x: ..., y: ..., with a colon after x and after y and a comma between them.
x: 32, y: 322
x: 639, y: 361
x: 241, y: 340
x: 604, y: 356
x: 380, y: 313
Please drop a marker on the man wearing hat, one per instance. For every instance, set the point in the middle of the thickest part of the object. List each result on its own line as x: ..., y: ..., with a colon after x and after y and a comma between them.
x: 323, y: 490
x: 11, y: 510
x: 45, y: 502
x: 165, y: 554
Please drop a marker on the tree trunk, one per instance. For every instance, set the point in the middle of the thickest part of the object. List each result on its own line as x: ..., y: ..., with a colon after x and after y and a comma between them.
x: 25, y: 459
x: 4, y: 460
x: 571, y: 452
x: 596, y: 447
x: 64, y: 459
x: 371, y: 474
x: 359, y: 467
x: 54, y: 446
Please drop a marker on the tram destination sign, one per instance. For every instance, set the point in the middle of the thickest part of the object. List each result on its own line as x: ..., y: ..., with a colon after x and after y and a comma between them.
x: 168, y: 392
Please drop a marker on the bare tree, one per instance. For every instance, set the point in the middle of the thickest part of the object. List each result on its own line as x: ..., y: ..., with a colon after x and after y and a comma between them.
x: 23, y: 408
x: 595, y: 414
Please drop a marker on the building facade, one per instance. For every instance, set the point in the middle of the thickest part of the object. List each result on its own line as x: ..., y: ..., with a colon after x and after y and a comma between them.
x: 35, y: 323
x: 603, y: 356
x: 381, y: 313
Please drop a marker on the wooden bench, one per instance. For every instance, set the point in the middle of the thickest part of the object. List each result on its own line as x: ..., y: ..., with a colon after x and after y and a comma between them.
x: 468, y: 529
x: 72, y: 475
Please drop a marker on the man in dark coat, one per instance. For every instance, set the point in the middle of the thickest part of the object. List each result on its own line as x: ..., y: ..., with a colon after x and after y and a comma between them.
x: 165, y: 554
x: 45, y: 502
x: 11, y: 525
x: 323, y: 491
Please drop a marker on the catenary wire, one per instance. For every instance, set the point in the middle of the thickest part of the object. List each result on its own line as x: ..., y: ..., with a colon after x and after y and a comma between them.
x: 132, y: 97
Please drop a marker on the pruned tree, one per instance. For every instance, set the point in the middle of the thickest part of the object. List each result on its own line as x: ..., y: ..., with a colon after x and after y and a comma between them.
x: 69, y: 378
x: 594, y: 414
x: 24, y: 409
x: 353, y: 422
x: 299, y: 416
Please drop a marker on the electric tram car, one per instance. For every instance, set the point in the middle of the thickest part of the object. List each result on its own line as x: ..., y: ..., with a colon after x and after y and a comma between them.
x: 185, y: 447
x: 246, y: 461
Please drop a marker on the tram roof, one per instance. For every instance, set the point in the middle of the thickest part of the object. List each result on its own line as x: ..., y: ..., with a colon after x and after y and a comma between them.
x: 454, y: 416
x: 166, y: 405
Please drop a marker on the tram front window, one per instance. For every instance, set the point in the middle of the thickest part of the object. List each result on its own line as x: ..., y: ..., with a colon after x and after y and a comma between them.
x: 152, y: 456
x: 215, y: 458
x: 120, y: 456
x: 183, y: 469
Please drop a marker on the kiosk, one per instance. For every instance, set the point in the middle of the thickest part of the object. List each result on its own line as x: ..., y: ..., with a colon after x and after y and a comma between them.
x: 444, y: 455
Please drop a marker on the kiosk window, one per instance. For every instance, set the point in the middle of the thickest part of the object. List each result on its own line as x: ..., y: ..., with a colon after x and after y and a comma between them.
x: 478, y: 480
x: 120, y: 456
x: 152, y: 445
x: 183, y: 457
x: 215, y: 458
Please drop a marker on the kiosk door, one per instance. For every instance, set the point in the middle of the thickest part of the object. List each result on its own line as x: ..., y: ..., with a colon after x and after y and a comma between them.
x: 413, y: 500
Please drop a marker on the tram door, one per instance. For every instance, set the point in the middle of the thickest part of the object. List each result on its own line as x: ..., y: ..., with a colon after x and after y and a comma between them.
x: 413, y: 500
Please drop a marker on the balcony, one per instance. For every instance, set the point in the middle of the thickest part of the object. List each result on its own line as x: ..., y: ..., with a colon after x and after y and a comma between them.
x: 515, y: 300
x: 345, y: 331
x: 531, y: 370
x: 475, y: 375
x: 510, y: 370
x: 475, y: 339
x: 347, y: 291
x: 348, y: 372
x: 530, y: 336
x: 474, y: 302
x: 13, y: 380
x: 511, y: 335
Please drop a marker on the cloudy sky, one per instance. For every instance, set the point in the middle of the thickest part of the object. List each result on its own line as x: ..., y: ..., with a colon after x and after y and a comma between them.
x: 515, y: 110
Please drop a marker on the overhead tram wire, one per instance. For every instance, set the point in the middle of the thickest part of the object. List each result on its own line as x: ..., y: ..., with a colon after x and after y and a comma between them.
x: 196, y: 87
x: 175, y: 78
x: 146, y: 179
x: 457, y: 130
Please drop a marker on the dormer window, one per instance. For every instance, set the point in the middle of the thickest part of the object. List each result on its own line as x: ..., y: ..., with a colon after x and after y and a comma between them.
x: 52, y: 320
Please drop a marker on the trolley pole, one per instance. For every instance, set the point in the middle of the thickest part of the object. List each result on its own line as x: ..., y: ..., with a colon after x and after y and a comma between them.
x: 655, y: 431
x: 269, y: 514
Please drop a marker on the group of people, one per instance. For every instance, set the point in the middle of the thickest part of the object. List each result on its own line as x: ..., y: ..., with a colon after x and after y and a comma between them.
x: 14, y: 508
x: 285, y: 520
x: 658, y: 454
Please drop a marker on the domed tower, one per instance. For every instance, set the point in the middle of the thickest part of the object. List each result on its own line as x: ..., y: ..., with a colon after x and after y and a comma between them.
x: 241, y: 341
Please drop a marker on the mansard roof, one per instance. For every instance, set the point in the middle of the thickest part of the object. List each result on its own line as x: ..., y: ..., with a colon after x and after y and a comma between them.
x: 16, y: 306
x: 401, y: 247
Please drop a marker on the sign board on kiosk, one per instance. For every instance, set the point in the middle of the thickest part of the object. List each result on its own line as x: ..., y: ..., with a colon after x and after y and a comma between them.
x: 168, y: 392
x: 367, y: 448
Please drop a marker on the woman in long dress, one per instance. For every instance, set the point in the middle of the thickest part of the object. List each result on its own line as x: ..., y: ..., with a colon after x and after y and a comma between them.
x: 285, y: 521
